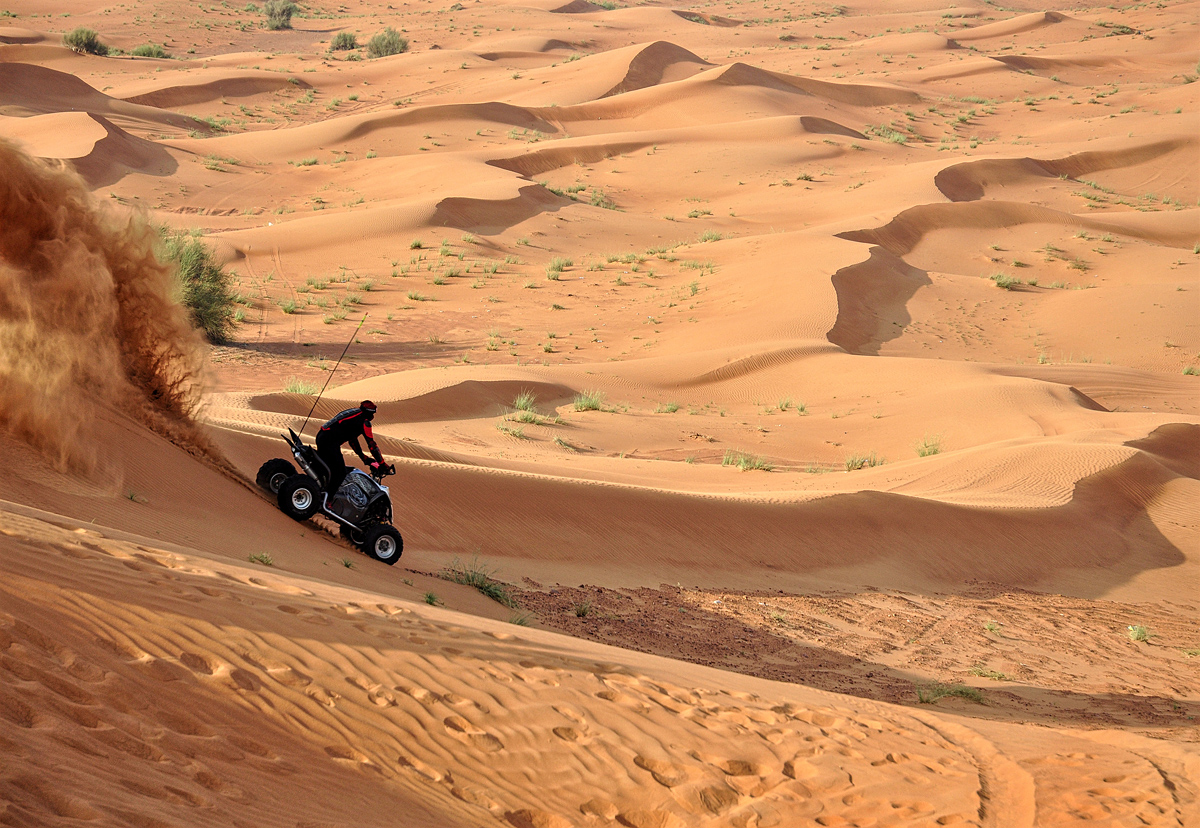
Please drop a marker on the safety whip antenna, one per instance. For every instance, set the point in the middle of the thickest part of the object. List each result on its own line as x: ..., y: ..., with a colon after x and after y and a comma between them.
x: 331, y: 373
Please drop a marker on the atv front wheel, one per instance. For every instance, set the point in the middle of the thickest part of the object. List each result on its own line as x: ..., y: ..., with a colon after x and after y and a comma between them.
x: 383, y: 543
x: 272, y: 473
x: 298, y: 497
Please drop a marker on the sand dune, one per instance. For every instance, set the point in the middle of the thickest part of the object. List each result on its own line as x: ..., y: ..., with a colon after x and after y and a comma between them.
x: 27, y: 89
x: 16, y: 34
x: 206, y: 88
x: 1015, y: 25
x: 812, y: 390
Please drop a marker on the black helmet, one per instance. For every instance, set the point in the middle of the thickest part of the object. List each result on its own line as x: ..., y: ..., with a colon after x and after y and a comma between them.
x: 369, y: 408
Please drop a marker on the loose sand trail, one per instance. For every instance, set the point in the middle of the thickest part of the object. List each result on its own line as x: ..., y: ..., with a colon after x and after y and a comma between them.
x: 817, y: 387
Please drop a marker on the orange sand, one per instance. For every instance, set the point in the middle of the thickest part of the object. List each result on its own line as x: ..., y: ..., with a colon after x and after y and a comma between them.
x: 771, y: 233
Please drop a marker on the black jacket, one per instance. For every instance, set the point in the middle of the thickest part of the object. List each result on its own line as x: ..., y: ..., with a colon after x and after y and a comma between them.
x: 347, y: 427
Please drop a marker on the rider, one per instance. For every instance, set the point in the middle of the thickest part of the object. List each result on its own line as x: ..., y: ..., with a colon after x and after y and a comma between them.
x: 347, y: 427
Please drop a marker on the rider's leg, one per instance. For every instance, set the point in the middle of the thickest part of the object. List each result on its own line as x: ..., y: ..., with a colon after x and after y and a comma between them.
x: 332, y: 455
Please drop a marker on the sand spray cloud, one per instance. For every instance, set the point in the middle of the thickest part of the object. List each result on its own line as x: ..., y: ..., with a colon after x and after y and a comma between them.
x: 88, y: 317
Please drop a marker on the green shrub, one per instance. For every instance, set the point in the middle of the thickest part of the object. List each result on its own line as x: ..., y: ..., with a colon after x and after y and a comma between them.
x: 151, y: 50
x: 205, y: 287
x: 387, y: 42
x: 279, y: 13
x: 344, y: 41
x: 1004, y: 281
x: 84, y: 41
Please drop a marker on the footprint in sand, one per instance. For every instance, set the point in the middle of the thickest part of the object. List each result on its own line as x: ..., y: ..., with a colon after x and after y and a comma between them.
x: 422, y: 695
x: 568, y: 734
x: 76, y: 551
x: 599, y: 807
x: 54, y: 800
x: 719, y: 800
x: 649, y: 819
x: 163, y: 670
x: 381, y: 698
x: 420, y: 768
x: 569, y: 713
x: 474, y: 797
x: 325, y: 697
x: 245, y: 680
x: 182, y: 724
x: 81, y: 716
x: 534, y: 818
x: 287, y: 589
x: 122, y: 741
x: 252, y: 747
x: 344, y: 752
x: 277, y: 670
x: 463, y: 730
x: 13, y: 710
x: 199, y: 663
x: 667, y: 774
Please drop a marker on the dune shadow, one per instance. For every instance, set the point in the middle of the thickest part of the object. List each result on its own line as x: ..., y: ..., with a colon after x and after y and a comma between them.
x: 872, y: 300
x: 667, y: 622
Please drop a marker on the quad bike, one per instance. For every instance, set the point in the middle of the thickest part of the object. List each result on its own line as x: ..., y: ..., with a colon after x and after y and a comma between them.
x: 362, y: 506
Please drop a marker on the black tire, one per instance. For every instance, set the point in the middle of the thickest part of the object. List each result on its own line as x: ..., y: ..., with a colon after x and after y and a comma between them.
x: 383, y: 543
x: 299, y: 496
x: 272, y: 473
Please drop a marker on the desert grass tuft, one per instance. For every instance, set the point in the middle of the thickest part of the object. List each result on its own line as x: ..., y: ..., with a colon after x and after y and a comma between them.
x: 929, y: 445
x: 1004, y: 281
x: 476, y: 574
x: 1138, y: 632
x: 524, y: 401
x: 589, y: 400
x: 930, y: 693
x: 295, y: 385
x: 863, y: 461
x: 983, y: 672
x: 746, y: 462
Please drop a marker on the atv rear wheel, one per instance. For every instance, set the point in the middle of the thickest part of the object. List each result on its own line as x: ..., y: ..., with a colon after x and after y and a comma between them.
x: 298, y: 497
x: 272, y: 473
x: 383, y: 543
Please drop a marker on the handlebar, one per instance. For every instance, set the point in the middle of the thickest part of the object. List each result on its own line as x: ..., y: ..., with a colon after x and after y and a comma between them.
x: 382, y: 471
